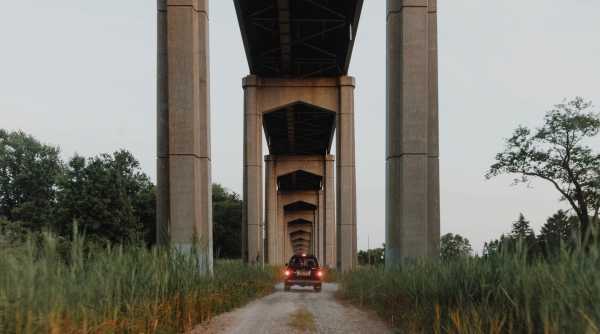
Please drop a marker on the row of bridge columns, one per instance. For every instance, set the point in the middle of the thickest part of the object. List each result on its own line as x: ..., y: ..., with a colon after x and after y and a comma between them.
x: 184, y: 217
x: 310, y: 213
x: 333, y: 232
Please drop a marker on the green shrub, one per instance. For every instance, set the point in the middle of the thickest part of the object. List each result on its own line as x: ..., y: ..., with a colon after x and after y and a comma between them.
x: 107, y: 290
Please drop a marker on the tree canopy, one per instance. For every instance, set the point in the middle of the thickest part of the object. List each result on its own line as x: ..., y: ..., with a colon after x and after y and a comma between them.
x: 227, y: 223
x: 558, y: 152
x: 108, y: 196
x: 28, y: 174
x: 375, y: 256
x: 453, y: 246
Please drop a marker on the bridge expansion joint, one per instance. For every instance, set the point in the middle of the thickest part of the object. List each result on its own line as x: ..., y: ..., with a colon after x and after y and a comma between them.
x: 166, y: 156
x: 199, y: 6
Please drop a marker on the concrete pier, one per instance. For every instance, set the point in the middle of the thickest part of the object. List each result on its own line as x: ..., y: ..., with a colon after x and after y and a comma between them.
x: 298, y: 55
x: 412, y: 168
x: 346, y: 177
x: 184, y: 205
x: 252, y: 209
x: 300, y: 118
x: 307, y: 204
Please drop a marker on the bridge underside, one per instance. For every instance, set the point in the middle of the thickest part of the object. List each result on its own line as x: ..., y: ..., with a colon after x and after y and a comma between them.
x: 298, y: 52
x: 298, y: 38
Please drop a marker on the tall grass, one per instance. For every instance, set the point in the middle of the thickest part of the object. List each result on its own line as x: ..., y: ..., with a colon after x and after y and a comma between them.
x: 502, y: 294
x: 123, y: 290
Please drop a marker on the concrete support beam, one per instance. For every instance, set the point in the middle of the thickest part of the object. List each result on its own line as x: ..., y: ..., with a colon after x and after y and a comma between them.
x: 320, y: 228
x: 433, y: 138
x: 322, y: 215
x: 346, y: 178
x: 184, y: 205
x: 281, y: 255
x: 252, y: 209
x: 412, y: 168
x: 330, y: 228
x: 336, y: 95
x: 271, y: 210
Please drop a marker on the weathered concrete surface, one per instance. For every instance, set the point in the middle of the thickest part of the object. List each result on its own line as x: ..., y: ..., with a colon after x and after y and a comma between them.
x: 252, y: 209
x: 434, y: 150
x: 280, y: 249
x: 329, y: 236
x: 412, y: 171
x: 265, y: 95
x: 272, y: 314
x: 184, y: 205
x: 346, y: 178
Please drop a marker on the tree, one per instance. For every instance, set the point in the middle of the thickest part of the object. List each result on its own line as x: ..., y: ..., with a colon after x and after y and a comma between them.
x: 521, y: 229
x: 108, y: 196
x: 453, y: 246
x: 558, y: 154
x: 496, y: 247
x: 227, y: 223
x: 558, y: 230
x: 492, y: 247
x: 28, y: 173
x: 374, y: 256
x: 522, y: 238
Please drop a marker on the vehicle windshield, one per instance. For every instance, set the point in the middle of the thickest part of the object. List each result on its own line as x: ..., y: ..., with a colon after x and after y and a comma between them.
x: 303, y: 262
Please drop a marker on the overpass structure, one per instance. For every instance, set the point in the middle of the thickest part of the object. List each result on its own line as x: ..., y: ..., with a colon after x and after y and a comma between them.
x: 298, y: 52
x: 299, y: 197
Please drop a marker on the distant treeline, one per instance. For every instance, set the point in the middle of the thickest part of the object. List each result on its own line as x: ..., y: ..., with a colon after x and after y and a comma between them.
x: 108, y: 197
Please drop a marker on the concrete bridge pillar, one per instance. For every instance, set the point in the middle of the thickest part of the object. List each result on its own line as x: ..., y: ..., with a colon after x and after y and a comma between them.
x: 412, y: 167
x: 273, y: 233
x: 330, y: 231
x: 283, y: 206
x: 252, y: 209
x: 184, y: 204
x: 346, y: 177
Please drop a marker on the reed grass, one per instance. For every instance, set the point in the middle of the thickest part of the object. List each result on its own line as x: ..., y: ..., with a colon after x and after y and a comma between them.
x: 48, y: 289
x: 500, y: 294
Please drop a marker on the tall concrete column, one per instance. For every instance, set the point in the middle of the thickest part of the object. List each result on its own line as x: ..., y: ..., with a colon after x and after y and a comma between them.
x: 314, y: 238
x: 433, y: 189
x: 330, y: 234
x: 321, y: 225
x: 184, y: 205
x: 281, y: 236
x: 412, y: 189
x: 252, y: 210
x: 271, y: 209
x: 346, y: 178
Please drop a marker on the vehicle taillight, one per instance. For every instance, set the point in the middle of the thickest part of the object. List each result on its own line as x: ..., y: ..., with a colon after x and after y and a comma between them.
x: 319, y: 273
x: 287, y: 273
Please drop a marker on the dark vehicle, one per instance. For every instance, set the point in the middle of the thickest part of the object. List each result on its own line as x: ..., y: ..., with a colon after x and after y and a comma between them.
x: 303, y: 270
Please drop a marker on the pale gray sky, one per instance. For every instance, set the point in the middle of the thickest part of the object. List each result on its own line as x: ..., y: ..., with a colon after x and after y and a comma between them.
x: 81, y: 75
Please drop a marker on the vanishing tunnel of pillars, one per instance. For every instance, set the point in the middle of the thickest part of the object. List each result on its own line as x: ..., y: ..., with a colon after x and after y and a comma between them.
x: 298, y: 54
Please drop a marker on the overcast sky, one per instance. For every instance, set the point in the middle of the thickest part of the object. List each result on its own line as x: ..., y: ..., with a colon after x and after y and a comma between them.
x: 81, y: 74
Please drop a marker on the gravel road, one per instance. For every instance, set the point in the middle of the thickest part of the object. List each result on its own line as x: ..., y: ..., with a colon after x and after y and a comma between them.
x: 299, y: 311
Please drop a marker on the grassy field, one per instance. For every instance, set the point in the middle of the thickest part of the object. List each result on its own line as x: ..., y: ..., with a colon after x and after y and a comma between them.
x: 46, y: 288
x: 504, y: 294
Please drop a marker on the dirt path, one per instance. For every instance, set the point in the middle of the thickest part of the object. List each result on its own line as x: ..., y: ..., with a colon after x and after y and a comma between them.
x: 298, y: 311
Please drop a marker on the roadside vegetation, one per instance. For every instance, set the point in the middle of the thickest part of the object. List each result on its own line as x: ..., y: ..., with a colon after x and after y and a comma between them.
x: 113, y: 280
x: 48, y: 286
x: 504, y: 293
x: 523, y: 282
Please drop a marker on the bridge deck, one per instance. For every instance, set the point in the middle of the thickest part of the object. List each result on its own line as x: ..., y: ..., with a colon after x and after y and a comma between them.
x: 298, y: 38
